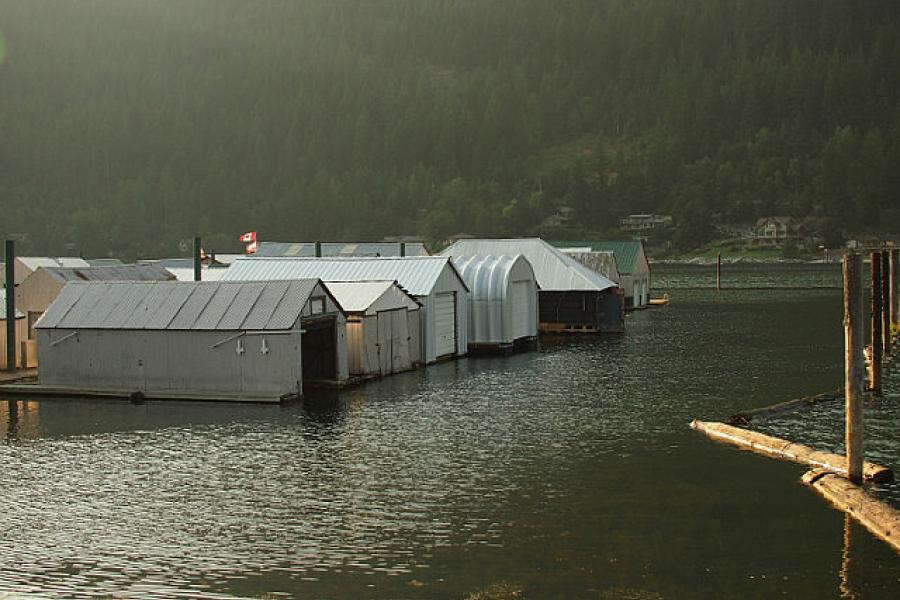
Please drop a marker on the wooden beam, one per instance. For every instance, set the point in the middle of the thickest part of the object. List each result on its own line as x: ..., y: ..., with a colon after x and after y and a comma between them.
x: 854, y: 366
x: 881, y: 519
x: 745, y: 417
x: 886, y: 302
x: 786, y: 450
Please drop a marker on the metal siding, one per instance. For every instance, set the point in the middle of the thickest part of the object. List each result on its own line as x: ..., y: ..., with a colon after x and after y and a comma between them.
x: 444, y: 324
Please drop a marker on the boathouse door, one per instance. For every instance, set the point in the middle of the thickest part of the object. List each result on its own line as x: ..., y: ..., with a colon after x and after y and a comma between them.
x: 319, y: 352
x: 445, y: 324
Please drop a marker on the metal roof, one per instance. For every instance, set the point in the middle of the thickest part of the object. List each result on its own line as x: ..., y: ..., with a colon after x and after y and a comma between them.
x: 110, y: 273
x: 34, y: 262
x: 602, y: 262
x: 554, y: 270
x: 626, y: 251
x: 176, y: 305
x: 360, y: 296
x: 488, y: 277
x: 417, y: 274
x: 349, y: 249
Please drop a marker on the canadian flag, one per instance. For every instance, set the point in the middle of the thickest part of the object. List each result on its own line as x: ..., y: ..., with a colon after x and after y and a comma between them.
x: 251, y: 248
x: 250, y: 236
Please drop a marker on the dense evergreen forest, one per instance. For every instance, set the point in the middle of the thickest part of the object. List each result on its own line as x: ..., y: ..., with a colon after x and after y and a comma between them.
x: 128, y: 125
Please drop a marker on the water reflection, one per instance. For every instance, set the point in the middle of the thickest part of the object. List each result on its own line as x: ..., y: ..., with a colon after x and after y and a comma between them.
x: 569, y: 473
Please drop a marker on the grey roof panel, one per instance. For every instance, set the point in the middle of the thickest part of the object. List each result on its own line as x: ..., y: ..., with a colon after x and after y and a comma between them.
x: 60, y: 307
x: 345, y: 249
x: 295, y: 298
x: 243, y: 303
x: 269, y: 299
x: 229, y: 306
x: 193, y: 307
x: 169, y: 308
x: 216, y: 308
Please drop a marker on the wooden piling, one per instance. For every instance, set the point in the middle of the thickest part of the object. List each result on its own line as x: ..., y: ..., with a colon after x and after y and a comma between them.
x: 854, y: 365
x: 785, y: 450
x: 719, y: 271
x: 886, y: 302
x: 881, y: 519
x: 895, y: 286
x: 10, y: 285
x: 876, y: 326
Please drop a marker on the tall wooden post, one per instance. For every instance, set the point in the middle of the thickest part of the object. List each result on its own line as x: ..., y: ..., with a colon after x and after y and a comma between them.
x: 876, y: 327
x: 895, y: 286
x: 10, y: 284
x: 719, y: 271
x: 886, y: 301
x: 854, y: 365
x: 197, y: 259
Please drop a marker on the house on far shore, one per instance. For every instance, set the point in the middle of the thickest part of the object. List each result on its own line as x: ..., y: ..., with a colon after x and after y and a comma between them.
x: 775, y: 232
x: 630, y: 259
x: 642, y: 224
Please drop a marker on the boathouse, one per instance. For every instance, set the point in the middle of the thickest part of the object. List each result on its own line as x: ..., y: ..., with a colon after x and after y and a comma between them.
x: 26, y: 265
x: 432, y: 280
x: 572, y: 298
x: 249, y: 341
x: 503, y: 302
x: 631, y: 261
x: 382, y: 326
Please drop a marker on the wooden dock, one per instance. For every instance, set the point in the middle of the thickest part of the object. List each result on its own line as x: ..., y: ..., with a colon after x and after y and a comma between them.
x: 18, y: 375
x: 35, y: 390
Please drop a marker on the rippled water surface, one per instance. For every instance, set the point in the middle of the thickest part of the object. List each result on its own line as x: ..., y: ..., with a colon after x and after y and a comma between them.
x: 565, y: 473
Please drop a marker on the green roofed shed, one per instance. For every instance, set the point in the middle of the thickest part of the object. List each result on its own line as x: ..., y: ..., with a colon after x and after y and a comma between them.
x: 631, y: 261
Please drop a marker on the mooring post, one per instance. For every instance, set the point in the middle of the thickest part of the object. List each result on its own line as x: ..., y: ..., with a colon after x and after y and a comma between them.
x: 318, y: 249
x: 886, y: 301
x: 719, y: 271
x: 854, y: 365
x: 876, y: 327
x: 10, y: 284
x: 197, y: 259
x: 402, y: 248
x: 895, y: 257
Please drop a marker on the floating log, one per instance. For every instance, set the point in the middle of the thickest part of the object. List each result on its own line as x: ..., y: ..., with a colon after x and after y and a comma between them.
x: 881, y: 519
x: 786, y: 450
x: 747, y: 416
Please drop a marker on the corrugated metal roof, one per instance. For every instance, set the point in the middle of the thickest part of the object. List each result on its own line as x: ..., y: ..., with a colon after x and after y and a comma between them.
x: 488, y: 276
x: 348, y: 249
x: 34, y: 262
x: 554, y: 270
x: 110, y: 273
x: 602, y: 262
x: 417, y: 274
x: 174, y: 305
x: 626, y: 251
x: 358, y: 296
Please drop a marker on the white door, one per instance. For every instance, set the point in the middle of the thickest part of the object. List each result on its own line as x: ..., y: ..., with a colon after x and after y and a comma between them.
x: 522, y: 299
x: 399, y: 341
x: 444, y: 324
x: 385, y: 349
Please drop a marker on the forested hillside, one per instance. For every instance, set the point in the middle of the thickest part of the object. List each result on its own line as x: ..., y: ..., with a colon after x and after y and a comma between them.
x: 128, y: 125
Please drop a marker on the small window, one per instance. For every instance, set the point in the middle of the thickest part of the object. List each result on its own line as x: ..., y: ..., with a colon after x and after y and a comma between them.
x: 317, y: 305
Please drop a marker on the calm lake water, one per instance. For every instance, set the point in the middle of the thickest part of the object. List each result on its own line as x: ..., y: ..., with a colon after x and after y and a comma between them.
x: 566, y: 473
